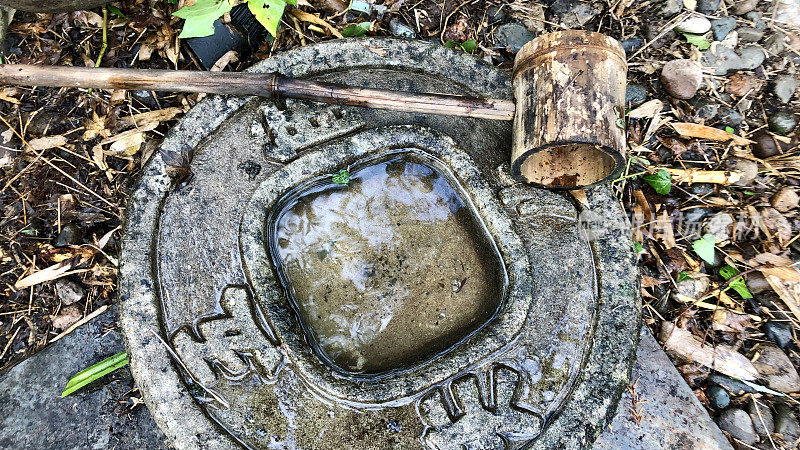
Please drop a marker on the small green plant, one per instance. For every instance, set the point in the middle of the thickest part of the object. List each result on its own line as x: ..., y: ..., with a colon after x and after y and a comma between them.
x: 467, y: 46
x: 704, y: 247
x: 697, y: 40
x: 95, y: 372
x: 682, y: 276
x: 661, y: 181
x: 730, y: 130
x: 738, y: 284
x: 116, y: 11
x: 356, y: 29
x: 638, y: 247
x: 199, y: 17
x: 342, y: 178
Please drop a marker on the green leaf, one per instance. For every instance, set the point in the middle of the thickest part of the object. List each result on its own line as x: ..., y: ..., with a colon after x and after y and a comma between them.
x: 705, y: 248
x: 95, y: 372
x: 269, y: 12
x: 469, y: 46
x: 738, y: 284
x: 730, y: 130
x: 661, y: 181
x: 638, y: 247
x: 200, y: 17
x: 697, y: 40
x: 342, y: 178
x: 682, y: 276
x: 356, y: 29
x: 116, y: 11
x: 173, y: 2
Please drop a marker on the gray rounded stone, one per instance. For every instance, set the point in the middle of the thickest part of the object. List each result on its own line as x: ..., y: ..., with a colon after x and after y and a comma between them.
x: 512, y: 36
x: 721, y: 27
x: 681, y: 78
x: 782, y: 122
x: 718, y: 397
x: 739, y: 425
x: 777, y: 332
x: 197, y: 270
x: 784, y: 87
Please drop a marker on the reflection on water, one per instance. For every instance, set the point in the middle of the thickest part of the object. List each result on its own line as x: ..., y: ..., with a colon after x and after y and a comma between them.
x: 389, y: 270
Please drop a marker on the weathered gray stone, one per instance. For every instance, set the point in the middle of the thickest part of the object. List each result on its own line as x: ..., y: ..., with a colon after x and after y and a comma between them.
x: 572, y: 343
x: 671, y: 418
x: 776, y: 369
x: 681, y: 78
x: 721, y: 27
x: 784, y: 87
x: 761, y: 416
x: 33, y: 415
x: 786, y: 424
x: 739, y: 425
x: 512, y: 36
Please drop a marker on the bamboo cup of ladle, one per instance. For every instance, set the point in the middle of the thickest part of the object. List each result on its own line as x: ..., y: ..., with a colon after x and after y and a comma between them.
x: 569, y: 88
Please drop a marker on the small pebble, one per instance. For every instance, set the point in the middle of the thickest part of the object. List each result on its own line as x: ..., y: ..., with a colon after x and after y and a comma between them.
x: 512, y: 36
x: 630, y: 45
x: 704, y: 108
x: 786, y: 424
x: 71, y: 234
x: 635, y: 94
x: 761, y: 416
x: 681, y: 78
x: 694, y: 25
x: 69, y: 292
x: 720, y: 226
x: 721, y: 27
x: 670, y: 8
x: 752, y: 56
x: 765, y: 146
x: 777, y: 224
x: 777, y: 332
x: 739, y: 425
x: 757, y: 284
x: 758, y: 22
x: 774, y: 43
x: 145, y: 97
x: 693, y: 217
x: 730, y: 116
x: 782, y: 122
x: 495, y: 14
x: 708, y: 6
x: 785, y: 200
x: 718, y: 397
x: 724, y: 60
x: 748, y: 168
x: 67, y: 316
x: 744, y: 6
x: 749, y: 34
x: 784, y: 87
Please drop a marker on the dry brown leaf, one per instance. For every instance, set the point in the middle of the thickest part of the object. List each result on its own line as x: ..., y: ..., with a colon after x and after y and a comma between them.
x: 720, y: 357
x: 789, y: 292
x: 648, y: 281
x: 47, y: 142
x: 311, y: 18
x: 724, y: 320
x: 782, y: 266
x: 705, y: 132
x: 647, y: 109
x: 230, y: 56
x: 128, y: 145
x: 159, y: 115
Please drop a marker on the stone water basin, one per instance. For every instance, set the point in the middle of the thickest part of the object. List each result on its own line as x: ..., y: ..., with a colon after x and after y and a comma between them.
x: 390, y: 269
x: 433, y: 302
